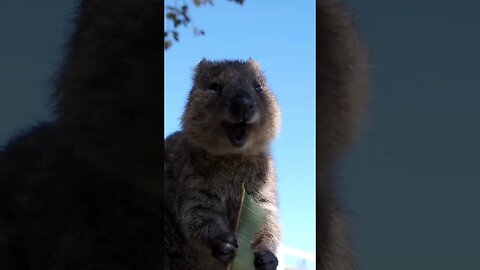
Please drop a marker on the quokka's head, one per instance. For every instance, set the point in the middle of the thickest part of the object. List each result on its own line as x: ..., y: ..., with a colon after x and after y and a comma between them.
x: 230, y: 109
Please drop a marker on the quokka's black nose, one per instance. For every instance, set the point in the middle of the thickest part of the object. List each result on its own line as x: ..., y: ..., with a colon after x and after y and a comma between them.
x: 242, y: 107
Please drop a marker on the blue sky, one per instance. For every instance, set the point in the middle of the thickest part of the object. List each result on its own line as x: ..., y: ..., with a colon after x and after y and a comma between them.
x: 281, y: 37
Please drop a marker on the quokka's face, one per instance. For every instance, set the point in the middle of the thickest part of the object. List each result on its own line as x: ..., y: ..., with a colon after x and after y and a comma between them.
x: 230, y: 108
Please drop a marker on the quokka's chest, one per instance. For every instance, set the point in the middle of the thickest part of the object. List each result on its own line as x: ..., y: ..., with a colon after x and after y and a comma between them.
x: 227, y: 184
x: 230, y: 179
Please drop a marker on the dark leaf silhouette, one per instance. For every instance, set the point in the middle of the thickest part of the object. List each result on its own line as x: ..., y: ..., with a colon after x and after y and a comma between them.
x: 177, y: 23
x: 168, y: 44
x: 179, y: 15
x: 198, y: 32
x: 238, y: 1
x: 171, y: 16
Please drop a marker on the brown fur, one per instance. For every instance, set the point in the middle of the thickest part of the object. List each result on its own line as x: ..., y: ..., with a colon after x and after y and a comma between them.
x: 204, y: 172
x: 204, y: 112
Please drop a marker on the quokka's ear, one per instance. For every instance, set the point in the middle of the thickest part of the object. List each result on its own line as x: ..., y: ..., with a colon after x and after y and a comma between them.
x: 254, y: 64
x: 203, y: 61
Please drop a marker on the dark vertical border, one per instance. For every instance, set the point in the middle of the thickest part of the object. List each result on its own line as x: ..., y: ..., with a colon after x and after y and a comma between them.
x: 162, y: 206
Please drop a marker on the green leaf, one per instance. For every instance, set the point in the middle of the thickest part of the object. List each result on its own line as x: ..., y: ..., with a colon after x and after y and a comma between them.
x: 171, y: 16
x: 250, y: 220
x: 168, y: 44
x: 176, y: 22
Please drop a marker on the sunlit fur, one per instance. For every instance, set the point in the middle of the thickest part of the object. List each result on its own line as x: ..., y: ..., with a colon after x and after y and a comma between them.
x: 204, y: 171
x: 206, y: 109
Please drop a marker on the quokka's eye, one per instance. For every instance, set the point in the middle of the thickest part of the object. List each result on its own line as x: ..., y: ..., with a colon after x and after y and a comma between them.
x: 258, y: 88
x: 215, y: 87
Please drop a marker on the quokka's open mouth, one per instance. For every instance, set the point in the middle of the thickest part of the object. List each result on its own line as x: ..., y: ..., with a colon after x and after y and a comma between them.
x: 237, y: 133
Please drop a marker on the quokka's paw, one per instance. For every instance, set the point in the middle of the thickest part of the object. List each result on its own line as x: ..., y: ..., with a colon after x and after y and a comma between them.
x: 265, y: 260
x: 224, y: 247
